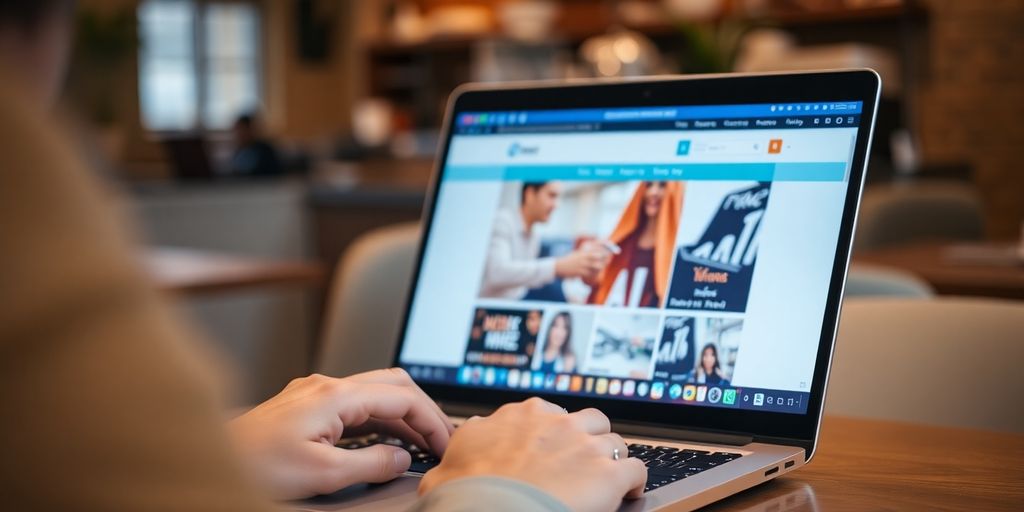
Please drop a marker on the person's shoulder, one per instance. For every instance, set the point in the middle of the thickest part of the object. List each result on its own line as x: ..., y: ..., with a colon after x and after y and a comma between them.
x: 504, y: 220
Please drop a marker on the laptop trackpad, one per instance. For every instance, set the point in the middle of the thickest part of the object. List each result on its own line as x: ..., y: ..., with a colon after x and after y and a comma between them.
x: 398, y: 494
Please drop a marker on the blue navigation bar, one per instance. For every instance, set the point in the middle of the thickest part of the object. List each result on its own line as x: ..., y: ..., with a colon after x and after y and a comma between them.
x: 781, y: 171
x: 644, y: 114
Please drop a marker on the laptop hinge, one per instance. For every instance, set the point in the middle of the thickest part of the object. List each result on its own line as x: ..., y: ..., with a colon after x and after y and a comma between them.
x: 680, y: 434
x: 465, y: 410
x: 625, y: 428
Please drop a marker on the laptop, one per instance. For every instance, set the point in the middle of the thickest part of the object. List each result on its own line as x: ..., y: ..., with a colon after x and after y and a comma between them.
x: 715, y: 215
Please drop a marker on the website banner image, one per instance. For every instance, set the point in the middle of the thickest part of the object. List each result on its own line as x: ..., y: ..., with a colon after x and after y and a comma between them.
x: 605, y: 243
x: 718, y: 246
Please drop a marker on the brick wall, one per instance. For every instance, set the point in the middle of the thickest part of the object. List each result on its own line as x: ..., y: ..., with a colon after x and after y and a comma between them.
x: 970, y: 108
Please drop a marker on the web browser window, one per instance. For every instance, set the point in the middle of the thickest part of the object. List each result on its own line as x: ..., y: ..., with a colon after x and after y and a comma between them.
x: 670, y: 254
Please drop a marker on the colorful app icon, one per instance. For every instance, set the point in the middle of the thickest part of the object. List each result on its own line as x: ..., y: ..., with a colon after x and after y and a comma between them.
x: 464, y: 374
x: 489, y: 376
x: 657, y: 390
x: 775, y: 146
x: 601, y: 387
x: 576, y: 384
x: 683, y: 148
x: 476, y: 375
x: 675, y: 391
x: 628, y: 388
x: 642, y: 389
x: 513, y: 378
x: 714, y: 395
x: 562, y: 383
x: 588, y: 385
x: 549, y: 381
x: 729, y: 397
x: 614, y: 387
x: 502, y: 376
x: 759, y: 399
x: 689, y: 392
x: 525, y: 378
x: 702, y: 393
x: 538, y: 380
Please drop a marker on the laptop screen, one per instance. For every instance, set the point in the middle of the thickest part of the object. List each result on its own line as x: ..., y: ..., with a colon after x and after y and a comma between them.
x: 676, y: 254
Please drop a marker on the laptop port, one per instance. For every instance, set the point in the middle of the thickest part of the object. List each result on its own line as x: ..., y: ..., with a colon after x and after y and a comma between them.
x: 772, y: 471
x: 789, y: 464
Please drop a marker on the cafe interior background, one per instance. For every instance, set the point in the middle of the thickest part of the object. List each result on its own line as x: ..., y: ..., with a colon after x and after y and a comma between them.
x: 350, y: 96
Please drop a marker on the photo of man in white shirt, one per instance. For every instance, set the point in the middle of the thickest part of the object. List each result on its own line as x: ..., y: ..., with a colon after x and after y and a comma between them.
x: 514, y: 265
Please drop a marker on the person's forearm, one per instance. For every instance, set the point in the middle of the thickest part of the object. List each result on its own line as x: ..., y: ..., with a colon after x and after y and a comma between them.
x: 506, y: 272
x: 499, y: 495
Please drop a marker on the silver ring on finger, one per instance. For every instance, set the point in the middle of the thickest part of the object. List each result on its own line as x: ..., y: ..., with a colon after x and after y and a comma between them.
x: 615, y: 454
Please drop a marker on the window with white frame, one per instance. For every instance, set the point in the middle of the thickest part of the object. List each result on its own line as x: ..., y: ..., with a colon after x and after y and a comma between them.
x: 199, y: 63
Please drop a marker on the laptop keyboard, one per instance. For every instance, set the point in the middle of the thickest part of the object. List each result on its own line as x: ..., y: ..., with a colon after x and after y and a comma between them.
x: 421, y: 460
x: 664, y: 464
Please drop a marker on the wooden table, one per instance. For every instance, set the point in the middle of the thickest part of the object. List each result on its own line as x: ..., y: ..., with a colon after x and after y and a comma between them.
x: 956, y: 269
x: 193, y: 271
x: 878, y: 465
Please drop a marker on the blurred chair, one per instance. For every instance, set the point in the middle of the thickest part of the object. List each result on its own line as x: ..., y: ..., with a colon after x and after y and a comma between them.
x: 876, y: 281
x: 948, y: 361
x: 364, y: 308
x: 892, y: 214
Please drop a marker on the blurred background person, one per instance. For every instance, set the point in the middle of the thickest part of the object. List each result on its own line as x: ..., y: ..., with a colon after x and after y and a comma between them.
x: 254, y: 155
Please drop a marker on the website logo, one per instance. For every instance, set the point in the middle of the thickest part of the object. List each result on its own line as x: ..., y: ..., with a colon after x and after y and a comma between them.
x: 517, y: 149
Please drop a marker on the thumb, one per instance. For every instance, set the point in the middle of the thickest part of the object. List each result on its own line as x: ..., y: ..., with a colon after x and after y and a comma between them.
x: 374, y: 464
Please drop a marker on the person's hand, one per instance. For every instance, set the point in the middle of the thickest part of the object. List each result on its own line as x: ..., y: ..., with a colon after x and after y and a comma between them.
x: 570, y: 456
x: 288, y: 441
x: 585, y: 263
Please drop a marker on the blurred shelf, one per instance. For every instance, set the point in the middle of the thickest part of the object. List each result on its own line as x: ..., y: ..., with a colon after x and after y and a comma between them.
x: 586, y: 27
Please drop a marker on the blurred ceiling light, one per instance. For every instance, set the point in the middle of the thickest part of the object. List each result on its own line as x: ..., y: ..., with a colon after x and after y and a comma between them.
x: 627, y: 50
x: 621, y: 53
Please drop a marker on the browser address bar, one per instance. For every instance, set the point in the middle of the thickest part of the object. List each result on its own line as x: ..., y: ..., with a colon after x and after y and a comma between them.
x: 746, y: 147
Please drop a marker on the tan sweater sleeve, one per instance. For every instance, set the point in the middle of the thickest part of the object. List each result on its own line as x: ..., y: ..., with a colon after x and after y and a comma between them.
x: 105, y: 404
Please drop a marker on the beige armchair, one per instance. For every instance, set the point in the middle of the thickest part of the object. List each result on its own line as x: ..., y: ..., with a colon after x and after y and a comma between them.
x: 366, y: 301
x: 945, y: 361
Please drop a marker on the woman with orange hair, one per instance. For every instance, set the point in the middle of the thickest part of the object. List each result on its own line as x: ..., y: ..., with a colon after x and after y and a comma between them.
x: 637, y: 275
